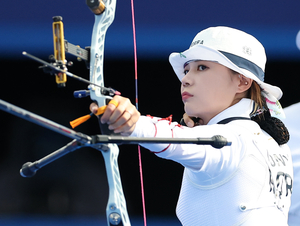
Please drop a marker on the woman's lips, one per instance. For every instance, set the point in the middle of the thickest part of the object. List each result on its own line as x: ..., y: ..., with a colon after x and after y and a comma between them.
x: 186, y: 95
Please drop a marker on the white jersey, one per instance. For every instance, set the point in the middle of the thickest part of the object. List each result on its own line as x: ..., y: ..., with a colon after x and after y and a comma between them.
x: 247, y: 183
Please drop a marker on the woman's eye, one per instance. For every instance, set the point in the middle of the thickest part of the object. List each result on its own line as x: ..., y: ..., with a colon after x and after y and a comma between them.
x: 202, y: 67
x: 185, y: 72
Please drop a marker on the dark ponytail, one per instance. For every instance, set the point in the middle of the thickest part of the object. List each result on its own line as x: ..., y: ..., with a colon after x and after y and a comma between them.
x: 273, y: 126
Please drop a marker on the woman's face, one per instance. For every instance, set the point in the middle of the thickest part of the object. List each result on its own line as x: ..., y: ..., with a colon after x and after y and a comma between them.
x: 207, y: 89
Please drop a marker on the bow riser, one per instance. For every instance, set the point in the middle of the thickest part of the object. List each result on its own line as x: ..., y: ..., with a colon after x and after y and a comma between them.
x: 102, y: 22
x: 116, y: 210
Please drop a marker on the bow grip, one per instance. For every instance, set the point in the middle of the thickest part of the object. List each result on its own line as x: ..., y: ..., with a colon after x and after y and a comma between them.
x: 104, y: 127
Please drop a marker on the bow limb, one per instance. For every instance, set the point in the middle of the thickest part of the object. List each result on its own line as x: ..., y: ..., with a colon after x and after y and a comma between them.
x: 116, y: 210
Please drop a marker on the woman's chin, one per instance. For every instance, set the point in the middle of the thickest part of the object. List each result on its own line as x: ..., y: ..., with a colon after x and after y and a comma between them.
x: 190, y: 112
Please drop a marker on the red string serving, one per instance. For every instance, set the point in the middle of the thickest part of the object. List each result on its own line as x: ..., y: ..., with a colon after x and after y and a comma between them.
x: 136, y: 104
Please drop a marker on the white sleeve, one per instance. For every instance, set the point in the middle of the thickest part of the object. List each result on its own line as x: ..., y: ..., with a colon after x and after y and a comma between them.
x: 191, y: 156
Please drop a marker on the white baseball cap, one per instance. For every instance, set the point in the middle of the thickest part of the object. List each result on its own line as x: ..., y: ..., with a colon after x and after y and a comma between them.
x: 230, y: 47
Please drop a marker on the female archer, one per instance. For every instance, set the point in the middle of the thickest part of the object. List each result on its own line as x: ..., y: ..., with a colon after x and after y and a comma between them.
x: 223, y: 90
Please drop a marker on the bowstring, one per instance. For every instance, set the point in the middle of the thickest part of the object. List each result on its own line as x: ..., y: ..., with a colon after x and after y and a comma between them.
x: 136, y: 105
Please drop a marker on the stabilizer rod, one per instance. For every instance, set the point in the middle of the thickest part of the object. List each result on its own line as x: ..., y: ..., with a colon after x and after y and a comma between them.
x: 29, y: 169
x: 216, y: 141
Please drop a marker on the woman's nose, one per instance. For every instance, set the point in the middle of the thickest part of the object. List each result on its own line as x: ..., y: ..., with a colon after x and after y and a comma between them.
x: 186, y: 81
x: 185, y: 84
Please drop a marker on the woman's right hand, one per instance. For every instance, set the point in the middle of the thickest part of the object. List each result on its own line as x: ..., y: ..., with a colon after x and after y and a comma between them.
x: 190, y: 122
x: 121, y: 118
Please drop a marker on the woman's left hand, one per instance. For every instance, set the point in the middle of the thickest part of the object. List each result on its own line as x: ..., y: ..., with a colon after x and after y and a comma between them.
x: 121, y: 118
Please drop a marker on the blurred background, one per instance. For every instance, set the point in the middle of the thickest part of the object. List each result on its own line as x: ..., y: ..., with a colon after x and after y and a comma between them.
x: 73, y: 190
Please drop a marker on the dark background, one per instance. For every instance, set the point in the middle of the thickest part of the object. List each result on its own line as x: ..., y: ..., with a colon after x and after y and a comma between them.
x: 76, y: 183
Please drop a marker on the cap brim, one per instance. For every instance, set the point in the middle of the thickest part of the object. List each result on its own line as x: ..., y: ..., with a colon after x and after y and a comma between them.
x: 201, y: 52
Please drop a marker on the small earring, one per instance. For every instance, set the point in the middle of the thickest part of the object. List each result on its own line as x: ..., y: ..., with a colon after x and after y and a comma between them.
x: 246, y: 83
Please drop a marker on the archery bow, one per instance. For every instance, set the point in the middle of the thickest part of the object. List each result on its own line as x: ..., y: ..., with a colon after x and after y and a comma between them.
x: 116, y: 210
x: 104, y: 11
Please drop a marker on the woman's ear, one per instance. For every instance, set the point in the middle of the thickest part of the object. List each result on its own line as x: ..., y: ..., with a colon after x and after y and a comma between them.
x: 245, y: 83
